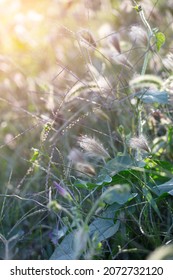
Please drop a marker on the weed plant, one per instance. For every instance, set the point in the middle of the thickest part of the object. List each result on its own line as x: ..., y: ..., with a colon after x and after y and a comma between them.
x: 86, y: 130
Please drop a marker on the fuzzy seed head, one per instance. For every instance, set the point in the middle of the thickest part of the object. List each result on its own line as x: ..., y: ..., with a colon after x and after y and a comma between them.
x: 114, y: 40
x: 168, y: 61
x: 139, y: 143
x: 93, y: 146
x: 87, y: 38
x: 139, y: 35
x: 75, y: 156
x: 121, y: 59
x: 85, y: 169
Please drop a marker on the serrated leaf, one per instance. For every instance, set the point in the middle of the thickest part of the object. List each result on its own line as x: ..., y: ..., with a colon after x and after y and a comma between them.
x: 160, y: 40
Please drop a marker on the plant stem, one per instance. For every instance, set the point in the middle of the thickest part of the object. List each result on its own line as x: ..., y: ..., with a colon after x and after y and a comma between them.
x: 143, y: 71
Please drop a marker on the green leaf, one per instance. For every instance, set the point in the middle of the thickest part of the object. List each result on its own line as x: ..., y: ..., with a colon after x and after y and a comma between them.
x: 64, y: 250
x: 35, y: 155
x: 151, y: 201
x: 160, y: 40
x: 103, y: 178
x: 103, y: 228
x: 116, y: 165
x: 165, y: 188
x: 111, y: 210
x: 119, y: 194
x: 153, y: 96
x: 84, y: 184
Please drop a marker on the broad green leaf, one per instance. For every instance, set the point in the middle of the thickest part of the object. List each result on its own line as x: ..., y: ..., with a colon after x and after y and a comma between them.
x: 165, y: 188
x: 153, y: 96
x: 160, y: 40
x: 119, y: 194
x: 84, y: 184
x: 171, y: 192
x: 126, y: 177
x: 116, y: 165
x: 64, y: 250
x: 103, y: 178
x: 110, y: 211
x: 103, y: 228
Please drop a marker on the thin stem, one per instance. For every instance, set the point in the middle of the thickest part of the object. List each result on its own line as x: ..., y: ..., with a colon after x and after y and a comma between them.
x: 145, y: 22
x: 143, y: 71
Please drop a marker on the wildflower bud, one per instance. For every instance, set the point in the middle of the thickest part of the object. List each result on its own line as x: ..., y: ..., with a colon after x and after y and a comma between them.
x: 63, y: 192
x: 139, y: 143
x: 54, y: 206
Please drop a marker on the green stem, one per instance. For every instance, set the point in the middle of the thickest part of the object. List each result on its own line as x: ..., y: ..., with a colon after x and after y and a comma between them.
x: 143, y: 71
x: 145, y: 64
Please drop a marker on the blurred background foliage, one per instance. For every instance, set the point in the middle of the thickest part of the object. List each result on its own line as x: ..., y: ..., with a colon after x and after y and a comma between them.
x: 59, y: 79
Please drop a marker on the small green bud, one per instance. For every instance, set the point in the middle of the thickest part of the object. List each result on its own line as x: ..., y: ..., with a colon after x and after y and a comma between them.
x: 54, y: 206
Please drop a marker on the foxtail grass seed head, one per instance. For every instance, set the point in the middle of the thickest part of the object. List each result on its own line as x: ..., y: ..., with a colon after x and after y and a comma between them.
x: 87, y: 38
x: 85, y: 169
x: 120, y: 59
x: 168, y: 61
x: 168, y: 85
x: 93, y: 147
x: 139, y: 35
x: 114, y: 40
x: 76, y: 156
x: 139, y: 143
x: 62, y: 191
